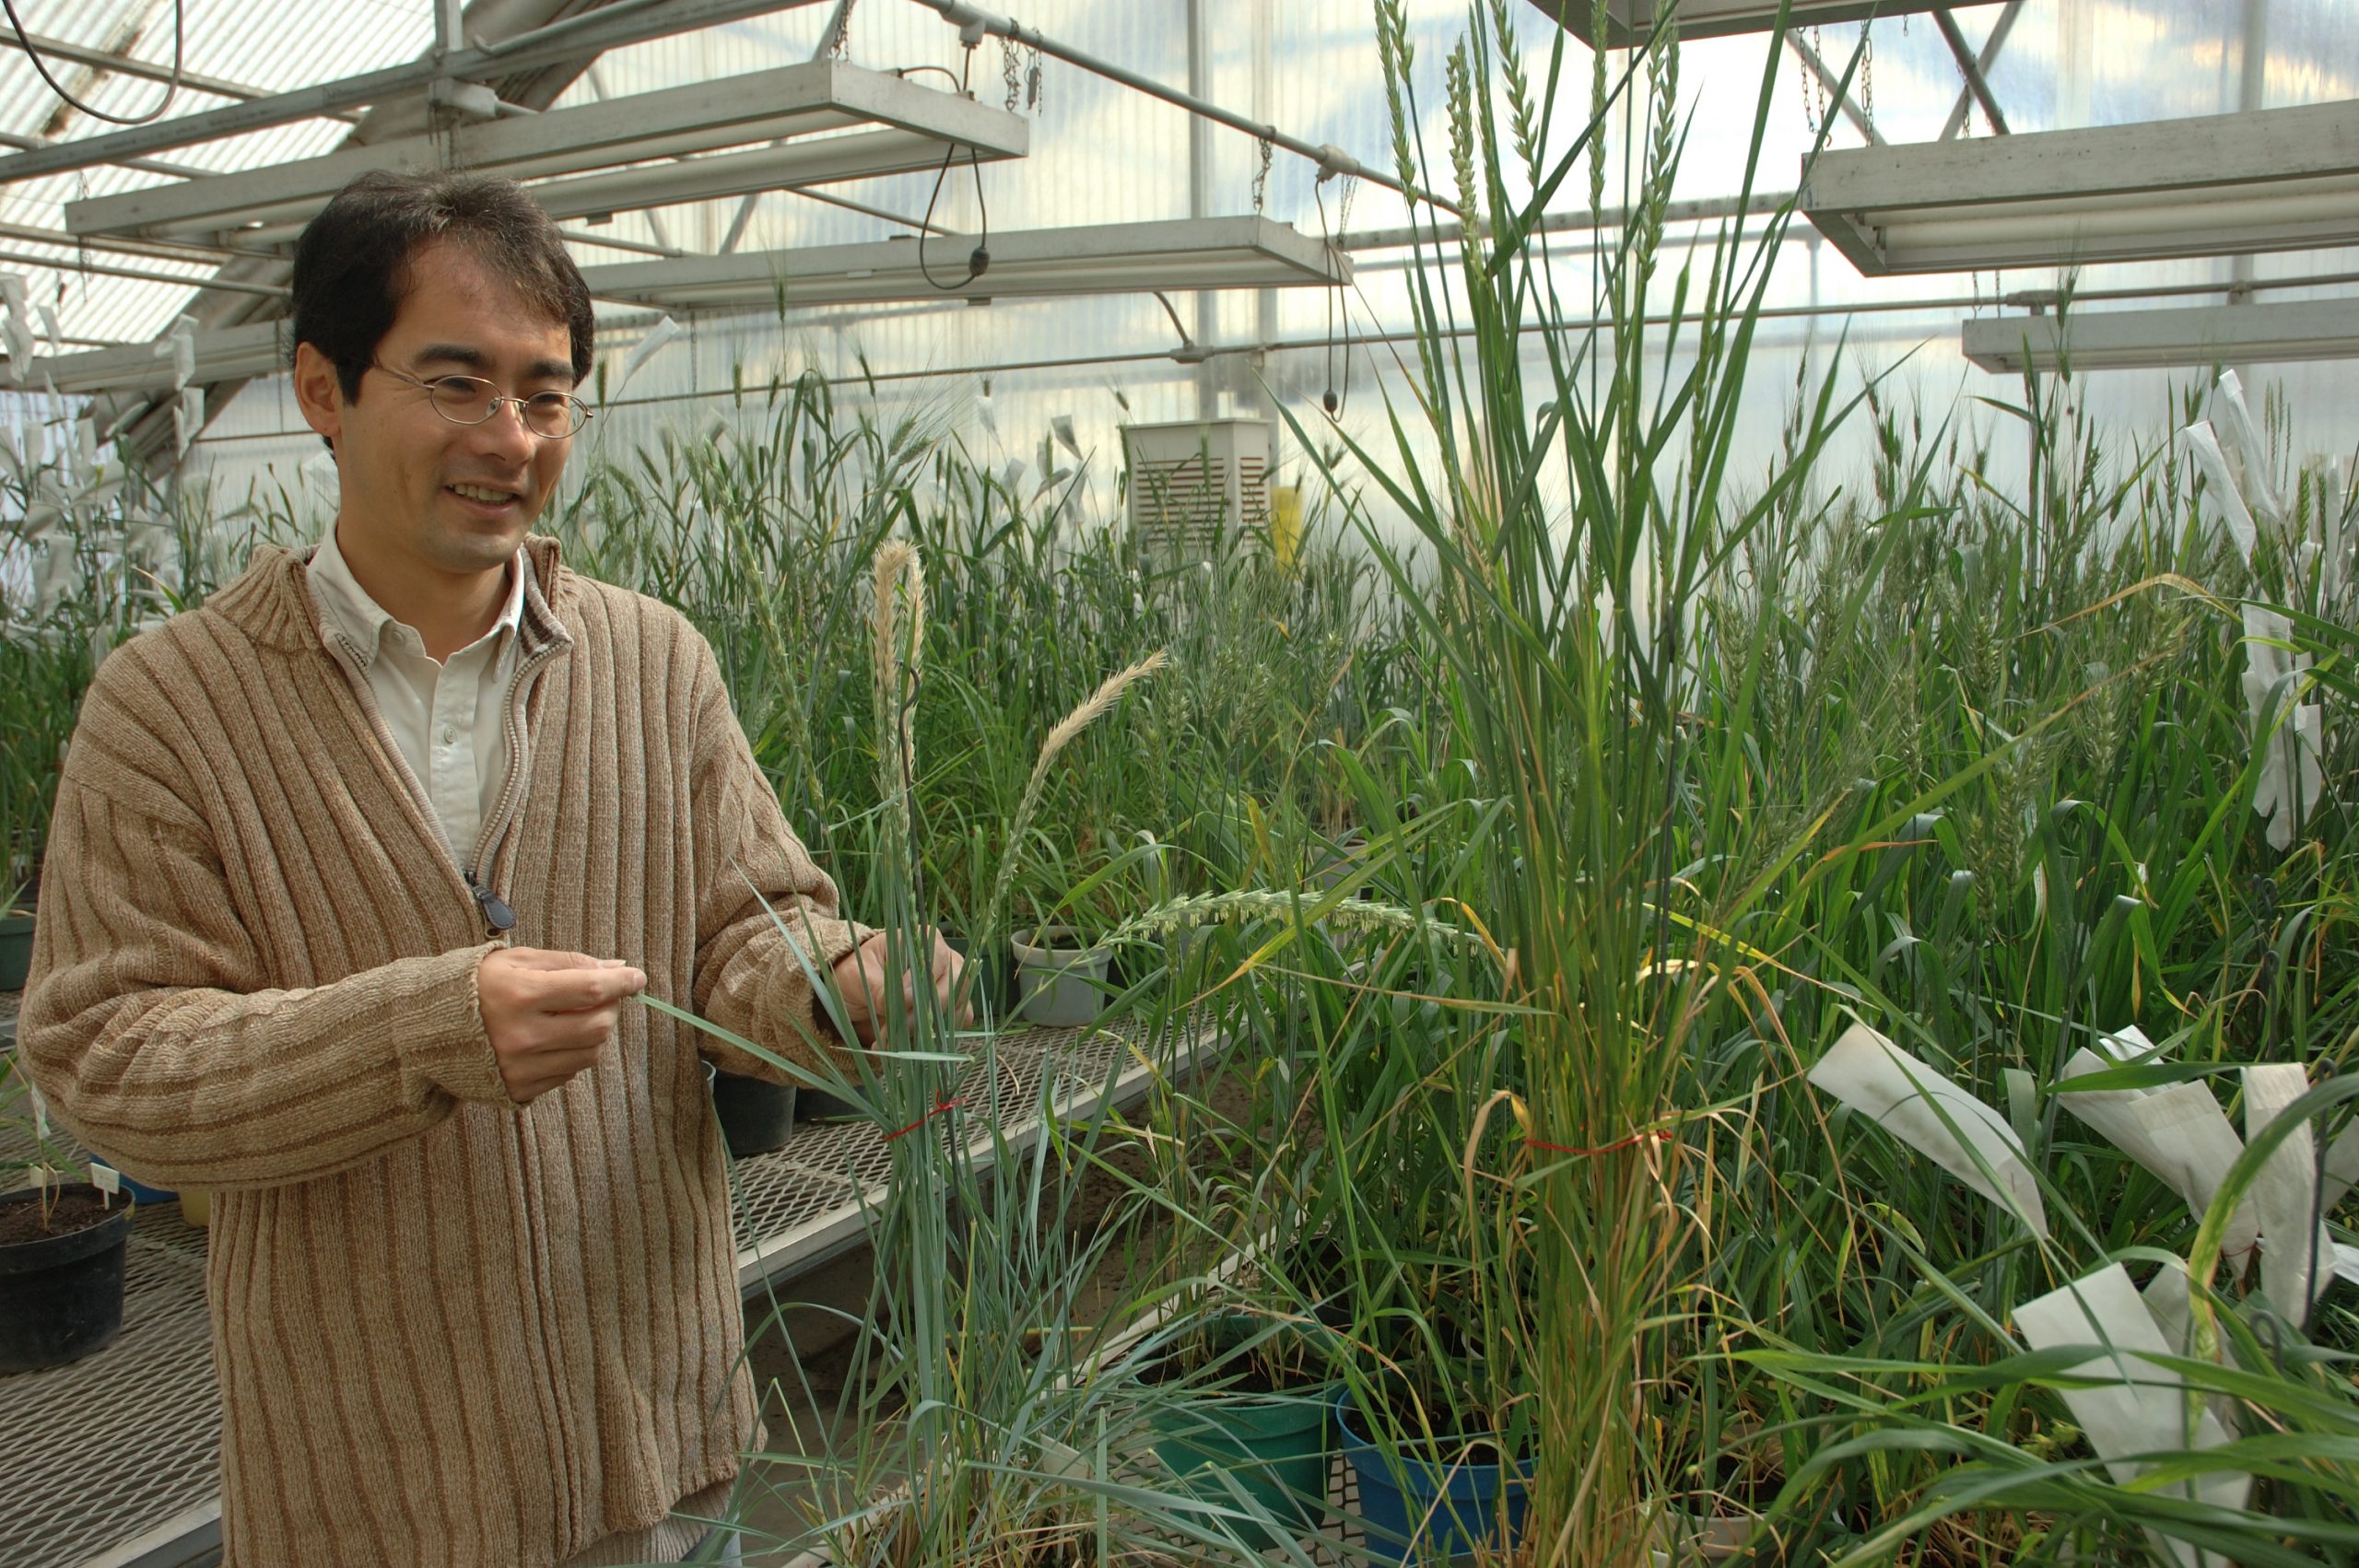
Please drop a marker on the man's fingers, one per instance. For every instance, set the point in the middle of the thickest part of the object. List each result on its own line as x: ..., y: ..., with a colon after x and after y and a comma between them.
x: 541, y: 1071
x: 550, y: 958
x: 574, y: 991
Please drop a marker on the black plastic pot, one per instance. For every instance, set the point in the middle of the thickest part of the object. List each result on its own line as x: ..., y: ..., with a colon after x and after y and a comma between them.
x: 16, y: 952
x: 755, y: 1116
x: 61, y: 1296
x: 994, y: 976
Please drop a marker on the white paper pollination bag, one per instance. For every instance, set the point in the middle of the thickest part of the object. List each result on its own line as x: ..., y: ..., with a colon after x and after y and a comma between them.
x: 2180, y: 1133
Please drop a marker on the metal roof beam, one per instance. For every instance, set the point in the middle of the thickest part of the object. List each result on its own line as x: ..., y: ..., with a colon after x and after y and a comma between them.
x: 147, y: 70
x: 1988, y: 58
x: 145, y: 165
x: 613, y: 26
x: 103, y: 269
x: 1330, y: 160
x: 153, y: 250
x: 1970, y: 68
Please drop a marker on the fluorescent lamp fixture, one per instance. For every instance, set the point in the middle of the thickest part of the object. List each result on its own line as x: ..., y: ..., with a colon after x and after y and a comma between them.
x: 1628, y: 22
x: 914, y: 127
x: 2217, y: 185
x: 2140, y: 340
x: 1115, y: 258
x: 227, y: 354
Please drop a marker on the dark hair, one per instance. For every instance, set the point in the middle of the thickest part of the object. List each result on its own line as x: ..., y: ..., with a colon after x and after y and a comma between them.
x: 352, y: 260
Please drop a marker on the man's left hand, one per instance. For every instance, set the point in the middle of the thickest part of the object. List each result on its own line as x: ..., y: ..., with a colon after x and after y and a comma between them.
x: 866, y: 975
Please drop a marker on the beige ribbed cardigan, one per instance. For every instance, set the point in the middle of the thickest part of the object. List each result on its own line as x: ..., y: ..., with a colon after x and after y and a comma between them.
x: 449, y: 1329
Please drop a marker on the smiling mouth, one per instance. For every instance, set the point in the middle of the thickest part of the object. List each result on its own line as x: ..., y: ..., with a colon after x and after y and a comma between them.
x: 484, y: 495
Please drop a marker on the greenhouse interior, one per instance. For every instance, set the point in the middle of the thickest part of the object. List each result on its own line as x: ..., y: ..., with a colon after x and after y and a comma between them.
x: 1551, y: 783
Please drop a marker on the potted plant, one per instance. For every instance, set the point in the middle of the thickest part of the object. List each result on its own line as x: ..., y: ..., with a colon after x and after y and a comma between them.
x: 1060, y: 977
x: 1710, y: 1507
x: 1250, y: 1425
x: 1434, y: 1483
x: 756, y: 1116
x: 44, y: 668
x: 16, y: 929
x: 62, y: 1248
x: 21, y: 802
x: 1416, y: 1180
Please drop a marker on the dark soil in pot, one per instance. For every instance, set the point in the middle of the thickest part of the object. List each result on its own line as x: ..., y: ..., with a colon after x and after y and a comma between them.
x: 61, y: 1274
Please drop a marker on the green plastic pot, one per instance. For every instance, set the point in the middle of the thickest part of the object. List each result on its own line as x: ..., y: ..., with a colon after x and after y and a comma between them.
x: 1274, y: 1447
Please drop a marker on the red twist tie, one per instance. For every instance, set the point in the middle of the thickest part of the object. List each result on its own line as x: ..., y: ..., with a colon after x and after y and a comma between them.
x: 1657, y: 1136
x: 939, y: 1106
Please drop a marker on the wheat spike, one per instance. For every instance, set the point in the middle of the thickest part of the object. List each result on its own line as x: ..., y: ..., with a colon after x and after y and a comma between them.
x: 896, y: 561
x: 1109, y: 692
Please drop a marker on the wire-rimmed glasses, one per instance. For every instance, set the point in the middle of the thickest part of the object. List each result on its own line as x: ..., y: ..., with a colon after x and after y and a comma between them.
x: 471, y: 399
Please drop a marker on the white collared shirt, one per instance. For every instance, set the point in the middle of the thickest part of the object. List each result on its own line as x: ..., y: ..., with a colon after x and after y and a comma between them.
x: 448, y: 719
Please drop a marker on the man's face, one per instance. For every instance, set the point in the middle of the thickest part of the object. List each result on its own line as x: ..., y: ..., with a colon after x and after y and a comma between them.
x: 455, y: 498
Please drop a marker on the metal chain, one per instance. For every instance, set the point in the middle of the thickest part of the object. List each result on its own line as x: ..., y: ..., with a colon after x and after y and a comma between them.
x: 1814, y: 89
x: 1868, y: 71
x: 1262, y: 179
x: 840, y: 46
x: 1032, y: 81
x: 1012, y: 69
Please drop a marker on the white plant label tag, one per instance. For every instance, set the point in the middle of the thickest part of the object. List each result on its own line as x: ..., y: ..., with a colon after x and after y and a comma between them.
x: 105, y: 1178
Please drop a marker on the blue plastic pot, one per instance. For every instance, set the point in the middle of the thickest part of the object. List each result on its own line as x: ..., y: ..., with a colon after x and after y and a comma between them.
x: 1425, y: 1505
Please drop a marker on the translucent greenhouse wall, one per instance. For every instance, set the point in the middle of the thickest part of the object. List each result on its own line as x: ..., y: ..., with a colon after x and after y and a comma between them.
x: 992, y: 377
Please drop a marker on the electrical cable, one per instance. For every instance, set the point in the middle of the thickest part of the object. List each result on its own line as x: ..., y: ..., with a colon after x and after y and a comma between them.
x: 171, y: 88
x: 980, y: 256
x: 1328, y: 400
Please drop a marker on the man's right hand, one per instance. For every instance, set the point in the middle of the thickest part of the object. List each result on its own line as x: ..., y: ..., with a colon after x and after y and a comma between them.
x: 549, y: 1014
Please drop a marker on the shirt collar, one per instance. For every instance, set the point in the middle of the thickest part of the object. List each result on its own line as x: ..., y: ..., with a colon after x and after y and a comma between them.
x: 348, y: 611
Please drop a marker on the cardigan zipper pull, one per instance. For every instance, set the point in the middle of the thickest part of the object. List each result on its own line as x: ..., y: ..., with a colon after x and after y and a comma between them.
x: 496, y: 912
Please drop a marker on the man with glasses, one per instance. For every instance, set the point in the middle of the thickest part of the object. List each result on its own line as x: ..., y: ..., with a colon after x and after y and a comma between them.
x: 354, y: 873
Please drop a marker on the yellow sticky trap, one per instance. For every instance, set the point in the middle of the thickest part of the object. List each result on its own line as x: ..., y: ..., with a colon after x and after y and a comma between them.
x: 1286, y: 524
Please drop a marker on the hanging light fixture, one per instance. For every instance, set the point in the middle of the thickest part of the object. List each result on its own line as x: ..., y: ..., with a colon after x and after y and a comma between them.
x: 2215, y: 185
x: 1117, y: 258
x: 911, y: 126
x: 1629, y: 22
x: 2141, y: 340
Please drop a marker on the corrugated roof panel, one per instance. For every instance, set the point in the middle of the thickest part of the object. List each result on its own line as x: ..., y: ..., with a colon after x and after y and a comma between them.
x: 275, y: 47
